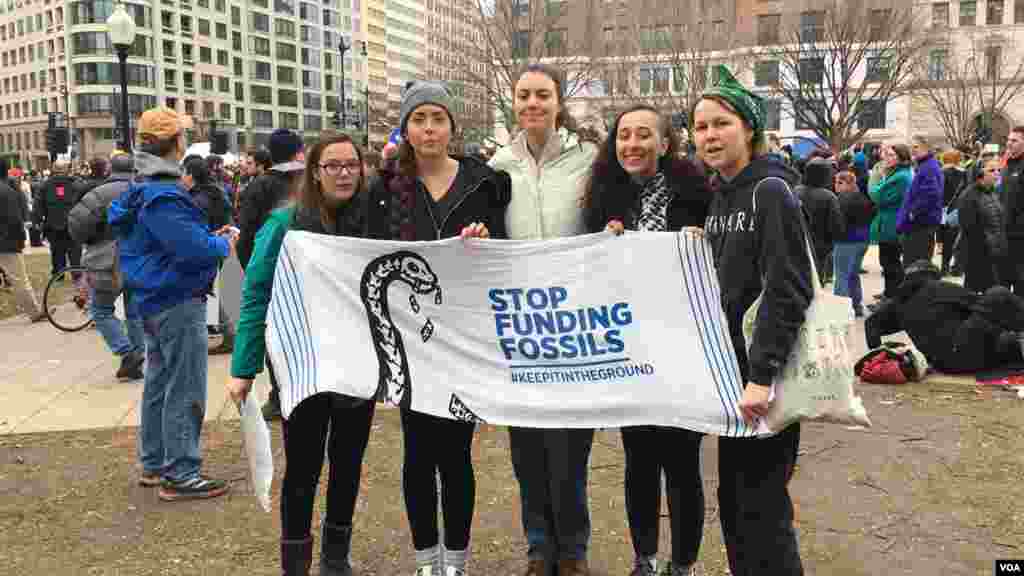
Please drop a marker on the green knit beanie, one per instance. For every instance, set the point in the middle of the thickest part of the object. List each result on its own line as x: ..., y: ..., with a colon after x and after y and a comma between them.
x: 749, y: 105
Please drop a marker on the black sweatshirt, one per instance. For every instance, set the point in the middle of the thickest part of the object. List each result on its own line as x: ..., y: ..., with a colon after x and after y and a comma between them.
x: 761, y: 250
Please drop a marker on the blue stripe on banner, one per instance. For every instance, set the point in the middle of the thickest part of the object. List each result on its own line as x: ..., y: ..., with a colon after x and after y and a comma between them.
x: 733, y: 387
x: 297, y: 309
x: 724, y: 337
x: 292, y: 328
x: 283, y: 333
x: 701, y: 329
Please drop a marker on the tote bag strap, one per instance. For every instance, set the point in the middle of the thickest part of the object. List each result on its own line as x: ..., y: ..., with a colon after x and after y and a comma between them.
x: 815, y: 279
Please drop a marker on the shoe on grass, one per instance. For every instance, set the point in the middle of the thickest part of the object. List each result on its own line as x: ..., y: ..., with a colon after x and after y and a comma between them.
x: 196, y: 488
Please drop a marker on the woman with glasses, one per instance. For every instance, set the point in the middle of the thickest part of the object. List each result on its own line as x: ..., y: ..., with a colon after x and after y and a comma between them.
x: 328, y: 202
x: 981, y: 220
x: 429, y: 195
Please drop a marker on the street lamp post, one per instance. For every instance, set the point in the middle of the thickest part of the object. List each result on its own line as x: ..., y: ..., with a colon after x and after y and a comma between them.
x: 121, y: 28
x: 339, y: 115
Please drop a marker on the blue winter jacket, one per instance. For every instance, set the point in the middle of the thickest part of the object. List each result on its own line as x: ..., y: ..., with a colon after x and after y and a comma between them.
x: 922, y: 205
x: 168, y: 254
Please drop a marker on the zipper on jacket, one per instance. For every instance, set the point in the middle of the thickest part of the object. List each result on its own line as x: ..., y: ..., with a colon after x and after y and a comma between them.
x: 439, y: 229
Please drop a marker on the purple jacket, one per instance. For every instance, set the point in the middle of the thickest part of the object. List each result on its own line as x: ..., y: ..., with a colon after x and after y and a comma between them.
x: 922, y: 205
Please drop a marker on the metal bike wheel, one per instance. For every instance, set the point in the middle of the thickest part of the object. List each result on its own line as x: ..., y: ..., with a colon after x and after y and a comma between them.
x: 65, y: 300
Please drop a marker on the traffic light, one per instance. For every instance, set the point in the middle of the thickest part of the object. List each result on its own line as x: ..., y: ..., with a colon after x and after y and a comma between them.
x: 219, y: 143
x: 51, y: 142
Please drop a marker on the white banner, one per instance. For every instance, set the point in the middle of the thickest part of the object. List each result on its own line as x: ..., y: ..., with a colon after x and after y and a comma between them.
x: 587, y: 332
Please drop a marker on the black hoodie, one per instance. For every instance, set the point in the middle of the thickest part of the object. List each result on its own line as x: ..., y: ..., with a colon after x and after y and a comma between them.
x: 762, y: 250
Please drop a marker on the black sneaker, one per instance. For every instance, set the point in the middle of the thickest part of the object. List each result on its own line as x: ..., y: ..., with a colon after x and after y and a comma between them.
x: 131, y: 366
x: 197, y: 488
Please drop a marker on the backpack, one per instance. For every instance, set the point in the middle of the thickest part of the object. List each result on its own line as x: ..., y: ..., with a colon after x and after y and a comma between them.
x: 892, y: 363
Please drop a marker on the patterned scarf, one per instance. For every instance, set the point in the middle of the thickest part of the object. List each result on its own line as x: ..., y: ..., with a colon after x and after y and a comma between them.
x: 654, y: 200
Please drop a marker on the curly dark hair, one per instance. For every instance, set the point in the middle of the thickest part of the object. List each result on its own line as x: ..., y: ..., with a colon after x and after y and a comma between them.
x: 607, y: 176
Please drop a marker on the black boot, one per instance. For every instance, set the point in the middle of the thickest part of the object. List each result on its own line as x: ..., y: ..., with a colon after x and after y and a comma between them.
x: 335, y: 543
x: 296, y: 557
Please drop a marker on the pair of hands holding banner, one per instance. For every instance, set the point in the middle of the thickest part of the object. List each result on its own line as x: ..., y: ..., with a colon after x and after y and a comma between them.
x: 756, y: 398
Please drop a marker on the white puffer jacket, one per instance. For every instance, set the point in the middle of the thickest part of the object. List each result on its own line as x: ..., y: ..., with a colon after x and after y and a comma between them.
x: 547, y: 198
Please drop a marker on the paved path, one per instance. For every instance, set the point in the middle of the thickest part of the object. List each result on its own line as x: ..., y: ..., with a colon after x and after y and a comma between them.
x: 52, y: 381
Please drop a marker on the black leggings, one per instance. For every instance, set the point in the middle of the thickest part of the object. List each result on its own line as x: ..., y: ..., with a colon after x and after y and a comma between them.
x: 649, y: 450
x: 346, y: 428
x: 890, y: 257
x: 438, y: 444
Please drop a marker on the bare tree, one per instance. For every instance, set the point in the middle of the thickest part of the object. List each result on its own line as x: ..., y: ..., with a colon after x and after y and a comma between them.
x: 664, y: 60
x: 967, y: 85
x: 838, y: 64
x: 516, y: 33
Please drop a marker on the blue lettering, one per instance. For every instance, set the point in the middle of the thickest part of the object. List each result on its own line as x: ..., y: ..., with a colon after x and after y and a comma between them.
x: 497, y: 304
x: 621, y: 314
x: 508, y: 346
x: 502, y: 321
x: 549, y: 344
x: 529, y: 349
x: 569, y: 349
x: 558, y: 295
x: 544, y: 321
x: 614, y: 340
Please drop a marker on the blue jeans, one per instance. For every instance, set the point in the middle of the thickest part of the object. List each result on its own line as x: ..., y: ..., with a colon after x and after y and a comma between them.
x: 120, y: 338
x: 848, y: 257
x: 552, y: 468
x: 174, y: 393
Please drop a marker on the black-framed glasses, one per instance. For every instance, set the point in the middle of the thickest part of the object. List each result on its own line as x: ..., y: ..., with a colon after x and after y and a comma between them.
x: 335, y: 168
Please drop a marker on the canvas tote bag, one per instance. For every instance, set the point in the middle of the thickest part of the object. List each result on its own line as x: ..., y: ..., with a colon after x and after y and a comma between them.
x: 817, y: 380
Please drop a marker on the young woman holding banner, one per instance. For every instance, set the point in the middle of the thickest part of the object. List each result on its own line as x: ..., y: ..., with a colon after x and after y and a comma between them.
x: 329, y: 203
x: 638, y: 182
x: 760, y: 249
x: 548, y: 165
x: 430, y: 195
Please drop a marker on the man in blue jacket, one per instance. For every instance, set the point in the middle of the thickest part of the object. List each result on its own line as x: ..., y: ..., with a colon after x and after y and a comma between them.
x: 168, y: 260
x: 921, y: 213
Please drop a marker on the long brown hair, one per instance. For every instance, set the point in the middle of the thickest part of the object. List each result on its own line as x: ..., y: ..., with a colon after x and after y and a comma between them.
x: 311, y: 198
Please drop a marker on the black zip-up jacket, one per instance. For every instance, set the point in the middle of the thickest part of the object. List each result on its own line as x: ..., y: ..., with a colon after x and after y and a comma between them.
x: 483, y: 196
x: 1013, y: 203
x: 13, y: 207
x: 56, y: 197
x: 762, y: 250
x: 981, y: 223
x: 264, y: 194
x: 691, y: 197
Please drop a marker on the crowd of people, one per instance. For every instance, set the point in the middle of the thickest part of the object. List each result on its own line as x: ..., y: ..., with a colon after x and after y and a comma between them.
x: 157, y: 226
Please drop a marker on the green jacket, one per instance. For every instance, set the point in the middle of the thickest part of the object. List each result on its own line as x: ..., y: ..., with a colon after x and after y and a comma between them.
x: 250, y: 344
x: 888, y: 197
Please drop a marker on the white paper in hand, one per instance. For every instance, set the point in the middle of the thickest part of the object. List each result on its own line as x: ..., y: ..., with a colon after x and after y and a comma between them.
x: 257, y: 448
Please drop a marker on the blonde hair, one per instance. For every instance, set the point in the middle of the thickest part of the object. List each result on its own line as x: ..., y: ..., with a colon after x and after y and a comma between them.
x: 951, y: 157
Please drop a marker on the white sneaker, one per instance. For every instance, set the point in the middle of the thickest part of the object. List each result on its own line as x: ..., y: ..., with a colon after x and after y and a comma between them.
x: 453, y: 571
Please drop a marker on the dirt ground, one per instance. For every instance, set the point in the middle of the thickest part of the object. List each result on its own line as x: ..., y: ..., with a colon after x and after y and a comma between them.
x: 933, y: 488
x: 38, y: 266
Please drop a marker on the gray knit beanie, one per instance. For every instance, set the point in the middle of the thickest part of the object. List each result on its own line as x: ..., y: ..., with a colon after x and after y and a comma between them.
x: 422, y: 92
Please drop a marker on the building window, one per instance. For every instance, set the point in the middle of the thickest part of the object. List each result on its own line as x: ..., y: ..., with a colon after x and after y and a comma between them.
x: 220, y: 6
x: 224, y: 84
x: 819, y: 112
x: 556, y: 42
x: 261, y: 94
x: 222, y: 31
x: 311, y: 79
x: 309, y: 12
x: 259, y: 22
x: 236, y: 16
x: 188, y: 80
x: 994, y: 12
x: 1018, y: 12
x: 872, y: 115
x: 879, y: 21
x: 109, y: 73
x: 186, y: 53
x: 289, y: 120
x: 937, y: 60
x: 225, y: 111
x: 520, y: 43
x: 236, y: 41
x: 520, y: 8
x: 207, y: 109
x: 237, y: 67
x: 968, y: 12
x: 766, y: 73
x: 812, y: 26
x: 260, y: 70
x: 313, y: 122
x: 206, y: 81
x: 993, y: 62
x: 262, y: 119
x: 309, y: 34
x: 768, y: 29
x: 284, y: 28
x: 311, y: 101
x: 812, y: 70
x: 222, y: 58
x: 877, y: 69
x: 239, y: 92
x: 204, y: 27
x: 186, y: 24
x: 205, y: 55
x: 285, y: 75
x: 773, y: 115
x: 284, y: 7
x: 260, y: 46
x: 940, y: 15
x: 311, y: 57
x: 285, y: 51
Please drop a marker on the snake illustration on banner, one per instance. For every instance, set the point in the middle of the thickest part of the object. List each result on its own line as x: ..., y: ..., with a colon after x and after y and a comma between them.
x: 395, y: 383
